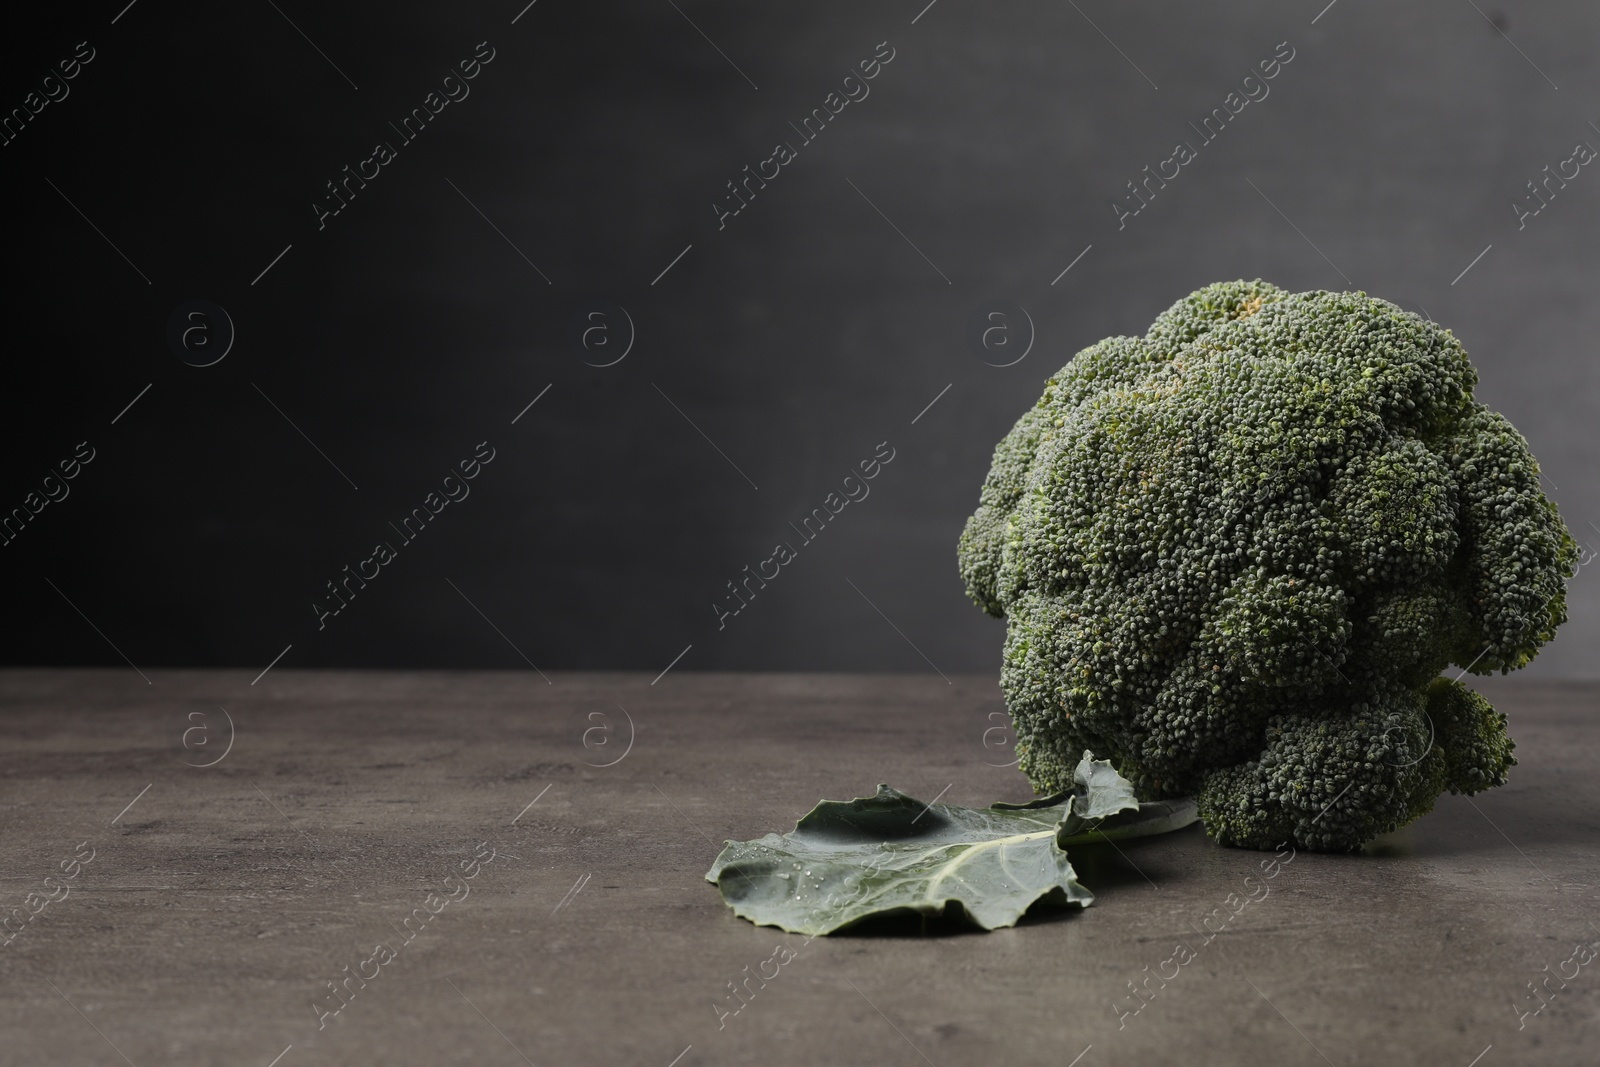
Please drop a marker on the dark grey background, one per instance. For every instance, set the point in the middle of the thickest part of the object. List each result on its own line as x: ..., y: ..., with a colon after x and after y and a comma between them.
x: 797, y: 338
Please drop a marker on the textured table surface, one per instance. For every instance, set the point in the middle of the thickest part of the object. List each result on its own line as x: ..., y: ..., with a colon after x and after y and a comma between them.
x: 219, y: 901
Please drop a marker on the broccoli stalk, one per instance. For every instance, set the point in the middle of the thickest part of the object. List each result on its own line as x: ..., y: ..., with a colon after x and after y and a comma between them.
x: 1235, y: 554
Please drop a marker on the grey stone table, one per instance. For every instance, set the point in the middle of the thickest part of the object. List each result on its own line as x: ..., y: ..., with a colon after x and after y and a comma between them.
x: 536, y: 905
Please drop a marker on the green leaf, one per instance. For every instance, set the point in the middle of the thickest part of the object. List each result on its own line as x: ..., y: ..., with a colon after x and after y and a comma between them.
x: 888, y: 854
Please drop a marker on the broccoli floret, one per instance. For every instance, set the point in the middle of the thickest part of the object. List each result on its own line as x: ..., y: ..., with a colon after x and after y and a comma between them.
x: 1235, y: 554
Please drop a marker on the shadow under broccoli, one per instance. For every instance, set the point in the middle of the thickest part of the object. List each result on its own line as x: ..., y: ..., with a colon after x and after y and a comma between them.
x: 1234, y: 555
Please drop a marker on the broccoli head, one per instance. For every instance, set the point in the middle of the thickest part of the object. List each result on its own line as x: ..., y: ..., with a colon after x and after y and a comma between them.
x: 1234, y: 554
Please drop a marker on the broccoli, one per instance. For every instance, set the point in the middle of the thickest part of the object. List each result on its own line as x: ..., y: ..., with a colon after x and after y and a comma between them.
x: 1234, y: 554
